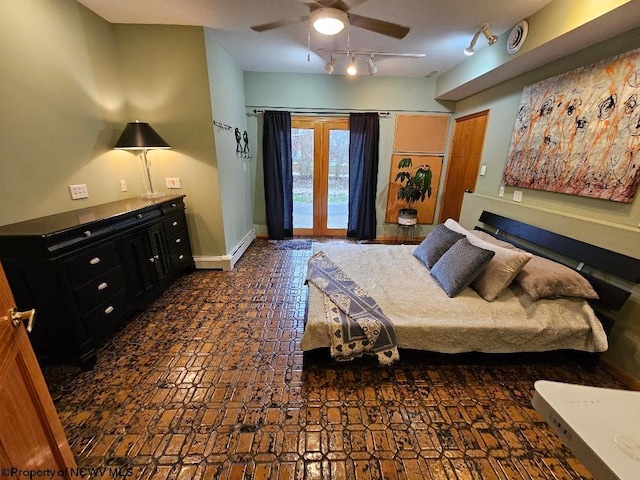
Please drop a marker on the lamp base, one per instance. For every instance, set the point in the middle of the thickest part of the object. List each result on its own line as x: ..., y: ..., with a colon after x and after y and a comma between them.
x: 152, y: 195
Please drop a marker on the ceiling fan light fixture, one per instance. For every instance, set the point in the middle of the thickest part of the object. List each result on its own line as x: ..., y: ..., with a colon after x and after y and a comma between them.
x: 329, y: 21
x: 352, y: 69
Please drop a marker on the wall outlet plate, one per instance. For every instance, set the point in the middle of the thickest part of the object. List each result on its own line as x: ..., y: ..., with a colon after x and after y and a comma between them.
x: 78, y: 191
x: 517, y: 195
x: 173, y: 182
x: 501, y: 191
x: 123, y: 185
x: 483, y: 170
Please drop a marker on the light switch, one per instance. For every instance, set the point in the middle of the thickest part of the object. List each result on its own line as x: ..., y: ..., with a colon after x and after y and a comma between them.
x: 483, y: 170
x: 517, y: 195
x: 78, y: 191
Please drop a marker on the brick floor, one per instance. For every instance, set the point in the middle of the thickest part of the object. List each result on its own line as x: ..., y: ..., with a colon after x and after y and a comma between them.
x: 209, y: 383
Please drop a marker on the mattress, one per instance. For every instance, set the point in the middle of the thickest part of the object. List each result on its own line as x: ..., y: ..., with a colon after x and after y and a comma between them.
x: 425, y: 318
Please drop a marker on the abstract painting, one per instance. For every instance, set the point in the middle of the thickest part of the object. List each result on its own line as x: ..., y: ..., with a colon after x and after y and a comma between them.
x: 579, y: 133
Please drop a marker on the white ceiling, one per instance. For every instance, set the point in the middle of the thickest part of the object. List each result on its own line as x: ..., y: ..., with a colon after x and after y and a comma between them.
x: 441, y: 29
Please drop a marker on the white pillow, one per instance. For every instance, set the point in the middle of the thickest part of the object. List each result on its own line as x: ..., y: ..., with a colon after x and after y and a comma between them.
x: 502, y: 268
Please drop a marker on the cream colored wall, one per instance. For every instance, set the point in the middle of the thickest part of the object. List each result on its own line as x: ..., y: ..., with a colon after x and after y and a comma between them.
x: 362, y: 93
x: 62, y: 106
x: 166, y: 83
x: 607, y: 224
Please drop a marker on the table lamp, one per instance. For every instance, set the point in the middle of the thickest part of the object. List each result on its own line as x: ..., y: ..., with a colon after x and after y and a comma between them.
x: 140, y: 136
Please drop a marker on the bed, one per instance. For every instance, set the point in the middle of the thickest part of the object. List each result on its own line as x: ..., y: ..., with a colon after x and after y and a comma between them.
x: 426, y: 318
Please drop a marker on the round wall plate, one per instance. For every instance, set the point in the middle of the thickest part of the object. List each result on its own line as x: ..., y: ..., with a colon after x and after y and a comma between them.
x: 517, y: 36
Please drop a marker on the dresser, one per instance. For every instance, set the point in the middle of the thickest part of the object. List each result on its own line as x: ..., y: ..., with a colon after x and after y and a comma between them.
x: 87, y: 271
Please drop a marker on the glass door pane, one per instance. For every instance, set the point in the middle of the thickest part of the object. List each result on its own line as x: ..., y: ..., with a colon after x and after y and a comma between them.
x: 302, y: 143
x: 338, y: 181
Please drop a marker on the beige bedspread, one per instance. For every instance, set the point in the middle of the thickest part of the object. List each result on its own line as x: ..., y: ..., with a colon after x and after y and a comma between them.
x: 426, y: 319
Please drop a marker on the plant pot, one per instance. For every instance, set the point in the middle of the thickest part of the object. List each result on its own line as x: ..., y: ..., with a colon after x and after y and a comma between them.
x: 407, y: 216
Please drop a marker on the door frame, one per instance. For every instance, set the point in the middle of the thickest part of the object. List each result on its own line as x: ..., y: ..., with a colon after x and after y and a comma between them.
x: 321, y: 127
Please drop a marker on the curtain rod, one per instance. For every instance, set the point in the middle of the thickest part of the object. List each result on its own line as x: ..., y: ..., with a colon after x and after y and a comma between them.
x: 326, y: 112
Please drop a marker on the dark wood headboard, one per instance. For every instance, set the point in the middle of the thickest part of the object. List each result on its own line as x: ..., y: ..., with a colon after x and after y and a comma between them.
x: 609, y: 272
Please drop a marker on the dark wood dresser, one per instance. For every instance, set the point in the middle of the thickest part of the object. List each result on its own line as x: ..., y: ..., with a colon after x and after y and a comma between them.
x: 86, y: 271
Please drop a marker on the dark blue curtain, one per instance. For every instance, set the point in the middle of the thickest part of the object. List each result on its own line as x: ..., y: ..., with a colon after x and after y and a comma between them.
x: 364, y: 138
x: 278, y: 176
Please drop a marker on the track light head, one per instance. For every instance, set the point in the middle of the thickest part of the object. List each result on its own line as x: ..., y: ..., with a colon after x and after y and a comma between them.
x: 491, y: 38
x: 373, y: 69
x: 352, y: 69
x: 469, y: 50
x: 330, y: 66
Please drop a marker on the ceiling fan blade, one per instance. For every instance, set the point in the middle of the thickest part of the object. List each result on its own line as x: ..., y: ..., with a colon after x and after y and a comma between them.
x: 379, y: 26
x: 280, y: 23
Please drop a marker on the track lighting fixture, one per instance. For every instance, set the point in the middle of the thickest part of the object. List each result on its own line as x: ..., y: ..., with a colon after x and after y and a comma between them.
x: 352, y: 69
x: 351, y: 55
x: 329, y: 21
x: 372, y: 66
x: 484, y: 29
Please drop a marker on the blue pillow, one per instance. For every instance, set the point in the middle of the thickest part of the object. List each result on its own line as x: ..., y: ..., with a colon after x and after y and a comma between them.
x: 459, y: 266
x: 438, y: 241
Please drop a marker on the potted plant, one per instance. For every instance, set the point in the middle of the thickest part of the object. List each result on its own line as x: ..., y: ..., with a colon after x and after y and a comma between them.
x: 415, y: 187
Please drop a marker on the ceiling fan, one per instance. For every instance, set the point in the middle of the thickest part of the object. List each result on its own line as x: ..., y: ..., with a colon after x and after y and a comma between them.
x: 336, y: 13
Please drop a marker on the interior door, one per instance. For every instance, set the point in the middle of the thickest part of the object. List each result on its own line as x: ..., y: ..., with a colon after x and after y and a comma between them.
x: 320, y: 149
x: 31, y: 435
x: 464, y: 162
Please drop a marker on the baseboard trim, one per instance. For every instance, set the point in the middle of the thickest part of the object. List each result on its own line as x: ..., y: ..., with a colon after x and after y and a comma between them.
x: 619, y: 374
x: 225, y: 262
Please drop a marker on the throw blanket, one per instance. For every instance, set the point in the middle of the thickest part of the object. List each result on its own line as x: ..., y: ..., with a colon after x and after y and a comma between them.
x: 357, y: 323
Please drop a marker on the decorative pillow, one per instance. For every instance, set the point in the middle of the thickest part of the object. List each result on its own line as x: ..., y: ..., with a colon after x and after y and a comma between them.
x: 543, y: 278
x: 502, y: 269
x: 487, y: 237
x: 459, y: 265
x: 438, y: 241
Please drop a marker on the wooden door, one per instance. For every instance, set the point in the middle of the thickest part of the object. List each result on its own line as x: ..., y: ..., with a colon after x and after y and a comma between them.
x: 464, y: 162
x: 31, y: 435
x: 321, y: 145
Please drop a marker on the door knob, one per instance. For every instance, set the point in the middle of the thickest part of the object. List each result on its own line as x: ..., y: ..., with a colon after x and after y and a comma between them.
x: 17, y: 317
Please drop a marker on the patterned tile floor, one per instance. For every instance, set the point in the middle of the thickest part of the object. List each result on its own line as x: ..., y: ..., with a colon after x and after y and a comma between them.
x: 208, y: 382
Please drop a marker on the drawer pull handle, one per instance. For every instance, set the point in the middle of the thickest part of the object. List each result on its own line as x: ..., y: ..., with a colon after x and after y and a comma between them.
x: 180, y: 257
x: 108, y: 310
x: 152, y: 259
x: 139, y: 216
x: 102, y: 286
x: 173, y: 205
x: 174, y: 224
x: 87, y: 233
x: 94, y: 261
x: 178, y: 240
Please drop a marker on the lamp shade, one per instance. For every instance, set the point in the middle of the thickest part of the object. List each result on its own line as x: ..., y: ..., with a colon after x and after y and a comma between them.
x: 140, y: 136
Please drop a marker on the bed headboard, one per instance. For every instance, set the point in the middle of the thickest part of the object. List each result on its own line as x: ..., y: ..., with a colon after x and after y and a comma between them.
x: 611, y: 274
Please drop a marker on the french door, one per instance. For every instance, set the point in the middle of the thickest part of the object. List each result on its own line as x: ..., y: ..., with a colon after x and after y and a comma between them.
x: 320, y: 150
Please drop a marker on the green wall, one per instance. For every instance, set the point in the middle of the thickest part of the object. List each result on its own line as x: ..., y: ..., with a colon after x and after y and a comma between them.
x: 228, y: 107
x: 62, y: 108
x: 329, y: 92
x: 607, y: 224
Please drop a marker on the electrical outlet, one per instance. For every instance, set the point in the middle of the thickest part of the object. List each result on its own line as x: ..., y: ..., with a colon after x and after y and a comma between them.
x: 123, y: 185
x: 173, y: 182
x: 517, y: 195
x: 501, y: 191
x: 78, y: 191
x: 483, y: 170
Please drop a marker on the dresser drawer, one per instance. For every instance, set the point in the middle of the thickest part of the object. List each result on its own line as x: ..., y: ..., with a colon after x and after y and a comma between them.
x: 181, y: 259
x: 98, y: 289
x: 87, y: 265
x: 178, y: 241
x: 132, y: 220
x: 169, y: 208
x: 109, y: 311
x: 76, y: 237
x: 174, y: 225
